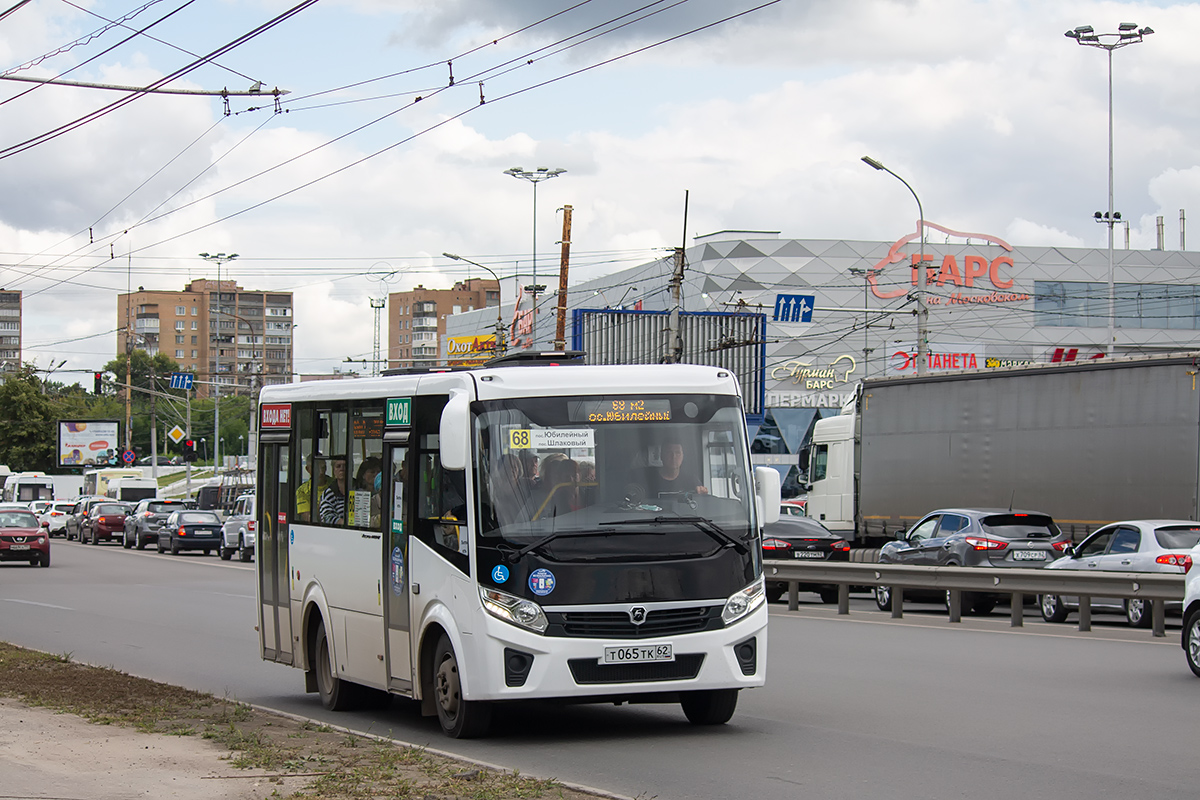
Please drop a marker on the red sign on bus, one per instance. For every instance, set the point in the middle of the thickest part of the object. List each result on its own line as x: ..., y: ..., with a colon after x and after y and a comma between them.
x: 276, y: 415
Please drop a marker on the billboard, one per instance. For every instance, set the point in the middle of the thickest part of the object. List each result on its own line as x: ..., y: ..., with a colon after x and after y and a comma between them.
x: 90, y: 442
x: 469, y: 350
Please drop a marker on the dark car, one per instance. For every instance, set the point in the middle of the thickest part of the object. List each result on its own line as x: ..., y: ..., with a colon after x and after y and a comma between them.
x: 191, y: 530
x: 79, y: 512
x: 973, y: 537
x: 148, y: 518
x: 801, y: 538
x: 104, y: 521
x: 22, y: 539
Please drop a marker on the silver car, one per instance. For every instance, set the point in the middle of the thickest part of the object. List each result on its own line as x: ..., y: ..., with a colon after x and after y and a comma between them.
x: 1146, y: 545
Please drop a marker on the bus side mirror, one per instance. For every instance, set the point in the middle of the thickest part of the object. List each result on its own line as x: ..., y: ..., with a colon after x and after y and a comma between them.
x: 767, y: 494
x: 454, y: 432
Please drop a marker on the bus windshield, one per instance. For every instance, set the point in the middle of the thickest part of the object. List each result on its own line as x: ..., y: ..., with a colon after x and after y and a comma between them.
x: 615, y: 477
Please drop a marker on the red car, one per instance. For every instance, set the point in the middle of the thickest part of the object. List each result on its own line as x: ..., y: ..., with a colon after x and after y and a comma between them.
x: 22, y: 539
x: 104, y: 521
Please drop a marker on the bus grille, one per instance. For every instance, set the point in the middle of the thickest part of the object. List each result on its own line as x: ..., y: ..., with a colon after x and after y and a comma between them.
x: 617, y: 625
x: 590, y: 671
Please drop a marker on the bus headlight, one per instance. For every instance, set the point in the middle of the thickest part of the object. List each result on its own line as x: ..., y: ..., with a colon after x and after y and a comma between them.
x: 742, y: 603
x: 516, y: 610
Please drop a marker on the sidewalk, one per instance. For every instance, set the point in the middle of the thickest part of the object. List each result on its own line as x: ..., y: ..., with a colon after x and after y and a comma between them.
x: 44, y: 754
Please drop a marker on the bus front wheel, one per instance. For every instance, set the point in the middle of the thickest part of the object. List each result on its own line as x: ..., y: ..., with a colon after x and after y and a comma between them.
x: 460, y: 718
x: 709, y: 707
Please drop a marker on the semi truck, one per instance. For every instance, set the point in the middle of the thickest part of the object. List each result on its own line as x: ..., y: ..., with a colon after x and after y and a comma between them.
x: 1088, y: 443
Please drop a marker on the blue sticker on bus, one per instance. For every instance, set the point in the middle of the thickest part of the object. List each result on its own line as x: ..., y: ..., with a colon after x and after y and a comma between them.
x: 500, y: 573
x: 397, y: 571
x: 541, y: 582
x: 291, y: 536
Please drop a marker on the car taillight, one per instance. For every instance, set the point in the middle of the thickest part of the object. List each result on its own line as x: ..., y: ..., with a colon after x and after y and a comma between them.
x: 182, y: 531
x: 147, y: 513
x: 56, y: 513
x: 840, y: 545
x: 250, y: 526
x: 1176, y: 560
x: 981, y: 543
x: 776, y: 544
x: 1061, y: 546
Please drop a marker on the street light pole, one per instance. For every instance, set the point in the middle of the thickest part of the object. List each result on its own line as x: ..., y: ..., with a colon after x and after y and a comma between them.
x: 922, y: 309
x: 535, y: 177
x: 1127, y: 33
x: 500, y: 346
x: 215, y: 315
x: 865, y: 274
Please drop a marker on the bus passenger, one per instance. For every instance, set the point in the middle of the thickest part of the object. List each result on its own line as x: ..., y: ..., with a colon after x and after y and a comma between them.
x: 333, y: 499
x: 304, y: 495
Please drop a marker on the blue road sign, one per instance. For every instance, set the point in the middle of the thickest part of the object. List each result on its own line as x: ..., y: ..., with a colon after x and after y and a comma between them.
x: 182, y: 380
x: 128, y: 456
x: 794, y: 307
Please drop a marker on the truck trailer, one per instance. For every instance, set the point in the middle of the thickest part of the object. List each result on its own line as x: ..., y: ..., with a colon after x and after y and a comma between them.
x: 1088, y: 443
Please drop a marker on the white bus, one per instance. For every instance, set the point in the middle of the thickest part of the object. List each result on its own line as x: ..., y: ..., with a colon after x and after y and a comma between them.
x: 22, y: 487
x: 95, y: 481
x: 458, y: 578
x: 131, y: 490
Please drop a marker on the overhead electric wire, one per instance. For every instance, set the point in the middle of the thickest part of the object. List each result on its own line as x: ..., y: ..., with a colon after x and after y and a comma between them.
x: 21, y: 147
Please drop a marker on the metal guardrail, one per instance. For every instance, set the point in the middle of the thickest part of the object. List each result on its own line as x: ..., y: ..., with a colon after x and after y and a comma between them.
x: 1155, y: 587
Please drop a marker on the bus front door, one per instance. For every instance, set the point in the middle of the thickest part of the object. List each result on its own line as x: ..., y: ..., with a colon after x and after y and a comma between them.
x: 395, y: 571
x: 274, y: 515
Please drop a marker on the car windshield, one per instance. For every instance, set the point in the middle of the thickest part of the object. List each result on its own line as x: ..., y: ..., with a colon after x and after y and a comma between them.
x: 1178, y: 537
x: 1019, y: 526
x: 162, y: 508
x: 791, y: 527
x: 17, y: 519
x: 111, y: 508
x: 198, y: 518
x: 662, y: 475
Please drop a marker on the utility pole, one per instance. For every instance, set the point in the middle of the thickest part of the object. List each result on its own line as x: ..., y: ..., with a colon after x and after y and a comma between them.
x: 560, y: 332
x: 378, y: 305
x: 674, y: 344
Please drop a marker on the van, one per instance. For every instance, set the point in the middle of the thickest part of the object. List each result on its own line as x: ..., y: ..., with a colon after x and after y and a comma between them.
x: 237, y: 535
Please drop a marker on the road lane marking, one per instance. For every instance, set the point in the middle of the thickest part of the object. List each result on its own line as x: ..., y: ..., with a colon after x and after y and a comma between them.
x: 34, y: 603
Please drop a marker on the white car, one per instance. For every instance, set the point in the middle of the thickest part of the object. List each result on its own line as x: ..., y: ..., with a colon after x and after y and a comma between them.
x: 1191, y: 615
x: 237, y: 534
x: 54, y: 518
x: 1154, y: 545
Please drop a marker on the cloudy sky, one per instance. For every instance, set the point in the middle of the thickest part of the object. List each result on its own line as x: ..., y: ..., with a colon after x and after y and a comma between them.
x: 354, y: 190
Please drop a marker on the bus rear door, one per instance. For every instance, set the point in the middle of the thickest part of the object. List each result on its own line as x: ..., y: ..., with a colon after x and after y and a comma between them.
x: 274, y: 516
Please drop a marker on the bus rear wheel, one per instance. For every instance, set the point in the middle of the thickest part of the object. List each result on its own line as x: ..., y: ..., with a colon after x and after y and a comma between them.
x: 709, y: 707
x: 460, y: 718
x: 336, y: 694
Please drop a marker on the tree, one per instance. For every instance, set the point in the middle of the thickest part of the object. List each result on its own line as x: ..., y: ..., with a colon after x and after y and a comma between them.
x: 145, y: 372
x: 27, y: 423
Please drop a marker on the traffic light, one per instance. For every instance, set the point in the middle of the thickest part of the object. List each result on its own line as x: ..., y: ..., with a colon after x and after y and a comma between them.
x: 98, y: 382
x: 189, y: 450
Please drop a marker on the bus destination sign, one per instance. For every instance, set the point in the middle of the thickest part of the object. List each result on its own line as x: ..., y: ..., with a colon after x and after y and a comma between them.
x: 276, y: 415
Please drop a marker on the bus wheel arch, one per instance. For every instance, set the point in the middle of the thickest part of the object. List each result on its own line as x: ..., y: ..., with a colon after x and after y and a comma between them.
x: 432, y: 634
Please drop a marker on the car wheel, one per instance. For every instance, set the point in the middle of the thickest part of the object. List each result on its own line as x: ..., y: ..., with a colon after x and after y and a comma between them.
x: 774, y: 592
x: 982, y: 605
x: 336, y: 694
x: 139, y: 542
x: 244, y: 553
x: 126, y: 542
x: 709, y: 706
x: 174, y: 547
x: 159, y: 545
x: 1137, y: 612
x: 460, y: 718
x: 829, y: 595
x: 1053, y: 608
x: 1191, y: 641
x: 883, y: 598
x: 964, y: 602
x: 44, y: 559
x: 208, y: 551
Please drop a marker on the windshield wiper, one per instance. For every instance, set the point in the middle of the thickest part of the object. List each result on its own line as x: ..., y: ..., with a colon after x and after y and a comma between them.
x: 513, y: 554
x: 701, y: 523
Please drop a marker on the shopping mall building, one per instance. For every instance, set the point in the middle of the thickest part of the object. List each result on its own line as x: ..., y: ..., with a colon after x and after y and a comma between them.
x: 837, y: 311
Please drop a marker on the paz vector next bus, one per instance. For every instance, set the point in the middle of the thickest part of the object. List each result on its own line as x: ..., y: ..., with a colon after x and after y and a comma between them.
x: 469, y: 538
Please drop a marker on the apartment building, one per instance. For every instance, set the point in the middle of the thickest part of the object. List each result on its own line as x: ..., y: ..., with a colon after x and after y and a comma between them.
x: 10, y: 332
x: 237, y: 338
x: 417, y: 319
